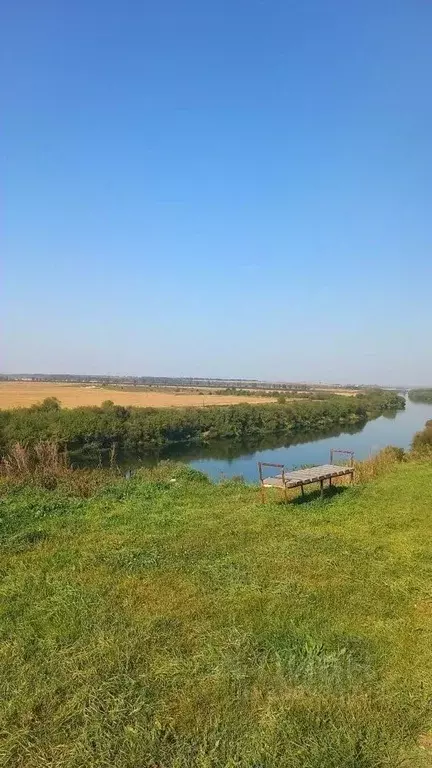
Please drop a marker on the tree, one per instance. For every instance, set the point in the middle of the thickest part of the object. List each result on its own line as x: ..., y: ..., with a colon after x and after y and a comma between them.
x: 50, y: 404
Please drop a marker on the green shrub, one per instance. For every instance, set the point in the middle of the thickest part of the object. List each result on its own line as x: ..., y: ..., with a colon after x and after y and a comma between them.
x: 422, y: 441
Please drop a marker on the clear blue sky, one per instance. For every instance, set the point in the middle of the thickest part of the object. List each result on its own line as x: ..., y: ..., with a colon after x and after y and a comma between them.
x: 220, y: 188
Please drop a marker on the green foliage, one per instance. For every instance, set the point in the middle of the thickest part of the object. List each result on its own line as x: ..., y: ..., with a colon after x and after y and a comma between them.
x: 177, y: 624
x: 149, y: 429
x: 420, y: 395
x: 422, y: 441
x: 49, y: 404
x: 289, y: 391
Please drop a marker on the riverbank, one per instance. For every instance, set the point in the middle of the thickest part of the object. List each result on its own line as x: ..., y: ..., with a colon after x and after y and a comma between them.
x: 150, y: 429
x: 233, y: 458
x: 167, y: 621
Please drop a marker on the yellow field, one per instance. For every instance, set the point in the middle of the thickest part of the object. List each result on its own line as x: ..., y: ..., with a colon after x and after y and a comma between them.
x: 21, y: 394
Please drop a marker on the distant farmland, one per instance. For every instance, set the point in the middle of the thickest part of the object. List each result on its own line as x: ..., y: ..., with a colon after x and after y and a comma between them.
x: 21, y: 394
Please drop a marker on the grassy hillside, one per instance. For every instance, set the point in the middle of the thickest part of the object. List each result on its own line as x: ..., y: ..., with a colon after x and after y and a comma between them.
x: 174, y: 624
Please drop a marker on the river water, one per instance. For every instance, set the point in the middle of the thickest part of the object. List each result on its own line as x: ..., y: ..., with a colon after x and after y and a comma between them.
x: 227, y: 459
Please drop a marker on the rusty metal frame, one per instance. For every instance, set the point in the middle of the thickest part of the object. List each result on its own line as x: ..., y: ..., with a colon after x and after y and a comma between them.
x: 347, y: 453
x: 262, y: 464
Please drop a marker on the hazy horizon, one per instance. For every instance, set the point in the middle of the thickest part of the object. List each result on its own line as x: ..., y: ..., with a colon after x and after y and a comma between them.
x: 307, y: 382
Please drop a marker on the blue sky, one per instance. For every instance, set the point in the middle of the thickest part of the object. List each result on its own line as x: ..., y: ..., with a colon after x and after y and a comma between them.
x: 221, y: 188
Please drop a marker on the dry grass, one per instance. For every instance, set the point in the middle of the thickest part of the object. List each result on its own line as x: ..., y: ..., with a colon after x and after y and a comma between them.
x: 46, y: 465
x: 23, y: 462
x: 22, y: 394
x: 379, y: 464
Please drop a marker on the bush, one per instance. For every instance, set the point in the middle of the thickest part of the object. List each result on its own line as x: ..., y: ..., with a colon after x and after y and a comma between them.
x: 422, y: 441
x: 49, y: 404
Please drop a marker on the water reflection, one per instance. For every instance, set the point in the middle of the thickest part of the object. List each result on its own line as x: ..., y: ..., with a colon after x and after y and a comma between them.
x: 229, y: 458
x: 230, y: 449
x: 390, y: 415
x: 226, y: 450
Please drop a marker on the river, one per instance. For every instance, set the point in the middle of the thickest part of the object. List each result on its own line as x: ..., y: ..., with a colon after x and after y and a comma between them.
x: 227, y: 459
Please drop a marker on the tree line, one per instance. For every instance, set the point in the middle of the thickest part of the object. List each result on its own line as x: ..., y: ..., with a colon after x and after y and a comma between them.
x: 420, y: 395
x: 150, y: 429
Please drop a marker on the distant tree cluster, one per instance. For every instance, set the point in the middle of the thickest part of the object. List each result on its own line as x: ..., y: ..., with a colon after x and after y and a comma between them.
x: 420, y: 395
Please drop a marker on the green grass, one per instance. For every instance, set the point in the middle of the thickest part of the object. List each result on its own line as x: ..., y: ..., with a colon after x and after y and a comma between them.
x: 179, y: 624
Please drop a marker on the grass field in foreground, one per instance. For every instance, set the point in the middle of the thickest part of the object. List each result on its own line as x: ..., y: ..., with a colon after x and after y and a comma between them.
x: 177, y: 624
